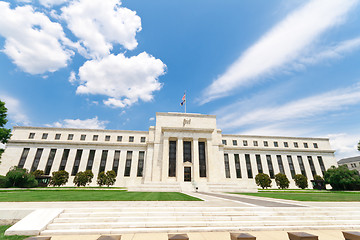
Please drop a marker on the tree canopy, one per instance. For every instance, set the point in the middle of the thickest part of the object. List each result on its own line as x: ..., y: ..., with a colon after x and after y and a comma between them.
x: 4, y: 132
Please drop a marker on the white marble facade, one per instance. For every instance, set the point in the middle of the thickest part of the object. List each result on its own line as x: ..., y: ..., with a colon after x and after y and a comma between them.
x: 183, y: 151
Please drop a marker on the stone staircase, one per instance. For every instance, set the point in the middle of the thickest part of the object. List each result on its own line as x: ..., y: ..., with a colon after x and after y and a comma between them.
x: 196, y: 219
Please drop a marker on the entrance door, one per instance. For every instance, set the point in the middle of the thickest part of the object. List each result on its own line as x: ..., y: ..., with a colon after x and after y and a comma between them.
x: 187, y: 174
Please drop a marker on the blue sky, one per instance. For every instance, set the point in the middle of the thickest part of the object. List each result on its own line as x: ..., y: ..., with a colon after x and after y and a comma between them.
x: 286, y: 68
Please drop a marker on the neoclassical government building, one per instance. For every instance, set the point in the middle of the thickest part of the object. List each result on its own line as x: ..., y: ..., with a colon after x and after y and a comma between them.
x: 182, y: 152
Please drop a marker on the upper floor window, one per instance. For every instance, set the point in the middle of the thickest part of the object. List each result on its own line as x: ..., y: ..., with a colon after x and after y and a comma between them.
x: 57, y: 136
x: 70, y: 136
x: 107, y: 138
x: 224, y: 141
x: 245, y: 143
x: 119, y: 138
x: 142, y: 139
x: 95, y: 137
x: 316, y: 145
x: 306, y: 145
x: 234, y: 142
x: 276, y: 144
x: 44, y: 136
x: 131, y: 138
x: 82, y: 137
x: 31, y: 135
x: 286, y: 144
x: 296, y: 144
x: 266, y: 144
x: 255, y: 143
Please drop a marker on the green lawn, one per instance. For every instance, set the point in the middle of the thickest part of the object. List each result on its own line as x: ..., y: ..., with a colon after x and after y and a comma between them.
x: 2, y: 237
x: 315, y: 196
x: 56, y: 195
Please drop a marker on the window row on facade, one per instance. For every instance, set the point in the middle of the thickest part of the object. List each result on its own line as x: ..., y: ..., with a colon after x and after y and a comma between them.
x: 270, y: 165
x: 84, y: 137
x: 266, y: 143
x: 104, y: 160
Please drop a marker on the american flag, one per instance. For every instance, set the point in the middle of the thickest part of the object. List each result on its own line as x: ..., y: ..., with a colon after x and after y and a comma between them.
x: 183, y: 99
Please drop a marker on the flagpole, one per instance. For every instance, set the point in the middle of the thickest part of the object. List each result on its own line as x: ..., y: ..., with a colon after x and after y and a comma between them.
x: 185, y: 101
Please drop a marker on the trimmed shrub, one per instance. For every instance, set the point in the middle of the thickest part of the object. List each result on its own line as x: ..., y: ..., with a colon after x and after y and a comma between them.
x: 101, y: 180
x: 301, y: 181
x: 106, y: 179
x: 282, y: 181
x: 20, y: 177
x: 318, y: 178
x: 38, y: 173
x: 89, y: 176
x: 263, y: 180
x: 80, y: 179
x: 59, y: 178
x: 3, y: 182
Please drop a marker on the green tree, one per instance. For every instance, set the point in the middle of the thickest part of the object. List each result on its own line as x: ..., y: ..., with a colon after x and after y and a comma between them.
x: 89, y: 176
x: 80, y: 179
x: 359, y: 146
x: 318, y: 178
x: 301, y: 181
x: 110, y: 178
x: 341, y: 178
x: 37, y: 173
x: 263, y: 180
x: 4, y: 132
x: 282, y: 181
x: 20, y: 177
x: 59, y: 178
x: 101, y: 180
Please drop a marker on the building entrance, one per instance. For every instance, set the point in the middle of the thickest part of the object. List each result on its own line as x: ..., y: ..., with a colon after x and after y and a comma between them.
x: 187, y: 174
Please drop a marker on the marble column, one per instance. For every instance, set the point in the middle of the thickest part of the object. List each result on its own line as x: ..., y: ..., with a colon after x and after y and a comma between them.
x: 196, y: 168
x: 165, y: 160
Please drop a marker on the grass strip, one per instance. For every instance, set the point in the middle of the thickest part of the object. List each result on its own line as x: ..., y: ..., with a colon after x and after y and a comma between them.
x: 89, y: 195
x: 2, y: 231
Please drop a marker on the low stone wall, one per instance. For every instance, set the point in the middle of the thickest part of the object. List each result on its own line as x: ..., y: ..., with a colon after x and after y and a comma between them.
x: 11, y: 216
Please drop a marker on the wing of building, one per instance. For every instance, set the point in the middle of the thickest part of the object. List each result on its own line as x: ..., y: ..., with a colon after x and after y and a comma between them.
x: 181, y: 152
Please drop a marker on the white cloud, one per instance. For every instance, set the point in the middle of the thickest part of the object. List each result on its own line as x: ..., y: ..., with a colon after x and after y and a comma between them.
x: 72, y: 78
x: 91, y: 123
x: 16, y: 114
x: 124, y: 80
x: 33, y: 42
x: 152, y: 119
x: 100, y: 24
x: 49, y: 3
x: 344, y: 144
x: 281, y: 45
x: 300, y: 109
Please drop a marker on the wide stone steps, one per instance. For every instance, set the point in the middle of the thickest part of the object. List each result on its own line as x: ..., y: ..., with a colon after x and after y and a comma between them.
x: 177, y: 219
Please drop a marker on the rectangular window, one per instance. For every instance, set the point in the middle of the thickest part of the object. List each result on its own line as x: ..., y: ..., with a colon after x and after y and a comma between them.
x: 36, y: 159
x: 119, y: 138
x: 90, y: 161
x: 202, y: 159
x: 131, y: 138
x: 266, y: 144
x: 64, y: 159
x: 245, y: 143
x: 172, y: 159
x: 306, y: 145
x: 50, y: 161
x: 115, y: 167
x: 57, y: 136
x: 103, y: 161
x: 248, y: 166
x: 44, y: 136
x: 280, y: 163
x: 258, y: 163
x: 322, y: 166
x: 224, y: 142
x: 315, y: 145
x: 187, y: 151
x: 255, y: 143
x: 296, y: 145
x: 95, y: 137
x: 312, y: 166
x: 234, y: 142
x: 70, y: 136
x: 227, y: 166
x: 31, y: 135
x: 140, y: 164
x: 142, y: 139
x: 128, y: 164
x: 301, y: 164
x: 276, y: 144
x: 237, y: 166
x: 76, y: 162
x: 270, y: 166
x: 291, y: 166
x: 286, y: 144
x: 107, y: 138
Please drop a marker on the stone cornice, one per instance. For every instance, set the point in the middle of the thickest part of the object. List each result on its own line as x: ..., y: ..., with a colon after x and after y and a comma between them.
x: 186, y: 129
x: 79, y: 129
x: 70, y: 143
x: 276, y: 137
x: 177, y: 114
x: 268, y: 149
